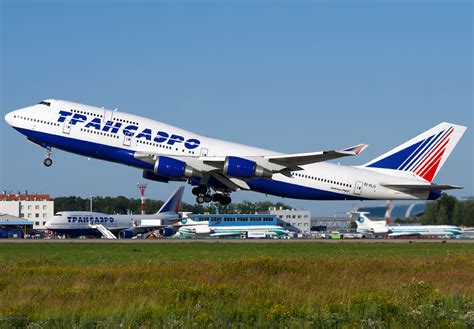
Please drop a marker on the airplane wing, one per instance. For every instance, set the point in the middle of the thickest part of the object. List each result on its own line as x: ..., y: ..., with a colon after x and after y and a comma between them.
x: 266, y: 165
x: 301, y: 159
x: 418, y: 188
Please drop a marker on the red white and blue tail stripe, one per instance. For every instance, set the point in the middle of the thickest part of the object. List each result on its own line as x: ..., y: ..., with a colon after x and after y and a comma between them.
x: 174, y: 202
x: 423, y: 155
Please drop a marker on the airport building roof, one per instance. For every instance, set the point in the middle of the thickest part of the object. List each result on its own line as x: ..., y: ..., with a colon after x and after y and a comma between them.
x: 24, y: 197
x: 13, y: 220
x: 398, y: 211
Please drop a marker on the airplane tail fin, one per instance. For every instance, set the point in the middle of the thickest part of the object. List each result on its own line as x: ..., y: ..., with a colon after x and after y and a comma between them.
x: 366, y: 225
x: 362, y: 221
x: 174, y: 202
x: 423, y: 155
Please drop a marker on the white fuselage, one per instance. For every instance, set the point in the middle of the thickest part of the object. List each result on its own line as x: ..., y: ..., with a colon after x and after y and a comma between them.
x: 121, y: 137
x: 76, y: 223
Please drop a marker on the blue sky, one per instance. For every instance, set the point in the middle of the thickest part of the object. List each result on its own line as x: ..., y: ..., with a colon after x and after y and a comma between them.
x: 289, y: 77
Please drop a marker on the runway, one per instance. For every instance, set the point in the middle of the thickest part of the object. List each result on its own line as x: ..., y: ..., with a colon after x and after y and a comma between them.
x: 238, y: 241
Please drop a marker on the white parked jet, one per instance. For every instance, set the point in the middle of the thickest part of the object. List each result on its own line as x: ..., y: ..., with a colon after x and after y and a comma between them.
x: 204, y: 229
x: 366, y: 225
x: 166, y: 153
x: 77, y: 223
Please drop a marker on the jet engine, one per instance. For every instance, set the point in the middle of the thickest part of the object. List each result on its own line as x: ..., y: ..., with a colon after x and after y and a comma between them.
x: 169, y: 167
x: 166, y: 231
x: 202, y: 230
x: 126, y: 234
x: 244, y: 168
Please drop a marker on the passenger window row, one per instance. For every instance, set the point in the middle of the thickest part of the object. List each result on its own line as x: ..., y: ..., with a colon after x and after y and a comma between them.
x: 319, y: 179
x: 161, y: 145
x: 96, y: 132
x: 36, y: 120
x: 125, y: 121
x: 86, y: 113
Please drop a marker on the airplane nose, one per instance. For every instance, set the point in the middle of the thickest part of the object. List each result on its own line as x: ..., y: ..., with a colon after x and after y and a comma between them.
x: 9, y: 118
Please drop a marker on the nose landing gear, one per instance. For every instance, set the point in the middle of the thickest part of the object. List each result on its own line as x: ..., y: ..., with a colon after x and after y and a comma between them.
x: 48, y: 161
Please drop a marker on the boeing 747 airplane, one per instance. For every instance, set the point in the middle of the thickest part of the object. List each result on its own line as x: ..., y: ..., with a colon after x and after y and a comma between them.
x: 166, y: 221
x: 217, y: 168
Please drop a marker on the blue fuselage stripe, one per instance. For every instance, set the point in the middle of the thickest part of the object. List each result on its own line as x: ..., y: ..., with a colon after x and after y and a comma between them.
x: 124, y: 156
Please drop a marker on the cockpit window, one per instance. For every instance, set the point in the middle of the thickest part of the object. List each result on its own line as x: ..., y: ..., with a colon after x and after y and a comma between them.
x: 45, y: 103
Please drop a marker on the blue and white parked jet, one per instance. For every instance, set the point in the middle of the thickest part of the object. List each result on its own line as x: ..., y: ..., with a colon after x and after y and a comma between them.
x: 217, y: 168
x: 166, y: 221
x: 380, y: 227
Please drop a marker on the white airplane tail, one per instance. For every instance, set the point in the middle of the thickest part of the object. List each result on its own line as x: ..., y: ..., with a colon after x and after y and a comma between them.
x: 423, y: 155
x: 366, y: 225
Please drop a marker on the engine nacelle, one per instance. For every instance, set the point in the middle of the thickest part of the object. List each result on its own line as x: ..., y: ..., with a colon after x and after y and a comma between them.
x: 166, y: 231
x: 239, y: 167
x: 379, y: 230
x: 126, y: 234
x: 202, y: 230
x: 169, y: 167
x: 152, y: 176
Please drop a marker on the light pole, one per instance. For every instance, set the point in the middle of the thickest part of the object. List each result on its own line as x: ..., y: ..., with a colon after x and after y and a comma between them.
x: 90, y: 203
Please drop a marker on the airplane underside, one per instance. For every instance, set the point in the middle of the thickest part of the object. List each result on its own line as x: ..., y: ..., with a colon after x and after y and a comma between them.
x: 203, y: 192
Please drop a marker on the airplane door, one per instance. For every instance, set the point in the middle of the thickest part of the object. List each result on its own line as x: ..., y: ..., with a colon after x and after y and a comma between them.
x: 204, y: 152
x: 127, y: 140
x: 358, y: 188
x: 67, y: 126
x: 108, y: 115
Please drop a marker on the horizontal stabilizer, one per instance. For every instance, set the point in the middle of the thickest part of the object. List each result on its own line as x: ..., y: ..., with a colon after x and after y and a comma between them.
x: 416, y: 188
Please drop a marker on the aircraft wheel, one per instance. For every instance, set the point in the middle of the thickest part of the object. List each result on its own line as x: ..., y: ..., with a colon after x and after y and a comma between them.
x: 48, y: 162
x: 226, y: 200
x: 217, y: 197
x: 207, y: 198
x: 196, y: 191
x: 200, y: 199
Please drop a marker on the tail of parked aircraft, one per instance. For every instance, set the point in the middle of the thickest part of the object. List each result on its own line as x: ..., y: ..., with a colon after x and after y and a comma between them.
x: 174, y: 202
x: 366, y: 225
x: 423, y: 155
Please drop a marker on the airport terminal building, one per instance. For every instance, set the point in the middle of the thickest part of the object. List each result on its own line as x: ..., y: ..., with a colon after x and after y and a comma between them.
x: 36, y: 208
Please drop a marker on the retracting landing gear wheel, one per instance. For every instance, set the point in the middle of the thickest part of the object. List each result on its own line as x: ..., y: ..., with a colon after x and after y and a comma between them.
x: 200, y: 199
x: 207, y: 198
x: 201, y: 189
x: 217, y: 197
x: 226, y: 200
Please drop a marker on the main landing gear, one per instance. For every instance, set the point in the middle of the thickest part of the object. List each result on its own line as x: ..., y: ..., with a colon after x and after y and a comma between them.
x: 48, y: 161
x: 203, y: 196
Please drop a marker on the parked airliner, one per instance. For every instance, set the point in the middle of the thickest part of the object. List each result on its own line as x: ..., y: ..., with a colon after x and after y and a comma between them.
x: 193, y: 228
x: 78, y: 223
x: 216, y: 167
x: 366, y: 225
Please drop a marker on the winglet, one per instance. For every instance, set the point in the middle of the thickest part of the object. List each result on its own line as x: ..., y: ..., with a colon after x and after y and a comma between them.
x: 357, y: 148
x: 174, y: 202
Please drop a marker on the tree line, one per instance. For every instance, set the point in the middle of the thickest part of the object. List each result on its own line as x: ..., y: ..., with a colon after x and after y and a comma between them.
x: 124, y: 205
x: 449, y: 211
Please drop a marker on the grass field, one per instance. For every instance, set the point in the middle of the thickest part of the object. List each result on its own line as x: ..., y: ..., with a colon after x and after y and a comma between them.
x: 372, y: 285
